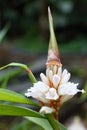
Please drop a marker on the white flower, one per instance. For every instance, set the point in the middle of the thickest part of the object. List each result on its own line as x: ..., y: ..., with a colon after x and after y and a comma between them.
x: 38, y: 91
x: 44, y: 79
x: 68, y: 89
x: 65, y: 76
x: 76, y: 125
x: 55, y: 86
x: 56, y: 80
x: 42, y: 92
x: 46, y: 110
x: 65, y: 98
x: 52, y: 94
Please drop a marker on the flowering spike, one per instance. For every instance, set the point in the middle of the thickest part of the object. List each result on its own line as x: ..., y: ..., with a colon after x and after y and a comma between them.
x: 55, y: 87
x: 53, y: 53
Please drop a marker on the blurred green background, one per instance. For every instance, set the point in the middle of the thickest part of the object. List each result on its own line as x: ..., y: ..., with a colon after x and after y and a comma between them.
x: 29, y: 23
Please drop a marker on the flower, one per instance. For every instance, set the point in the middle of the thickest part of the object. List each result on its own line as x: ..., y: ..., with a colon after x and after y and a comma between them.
x: 38, y: 91
x: 52, y: 94
x: 55, y: 88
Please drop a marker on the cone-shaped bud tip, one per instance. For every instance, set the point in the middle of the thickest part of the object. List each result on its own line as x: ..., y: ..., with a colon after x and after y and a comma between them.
x: 53, y: 52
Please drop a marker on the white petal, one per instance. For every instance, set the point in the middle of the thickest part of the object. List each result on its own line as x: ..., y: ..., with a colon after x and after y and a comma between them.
x: 46, y: 110
x: 51, y: 75
x: 64, y: 72
x: 44, y: 78
x: 65, y: 78
x: 68, y: 89
x: 55, y: 69
x: 56, y: 80
x: 59, y: 71
x: 47, y: 71
x: 66, y: 98
x: 38, y: 91
x: 41, y: 86
x: 52, y: 94
x: 27, y: 94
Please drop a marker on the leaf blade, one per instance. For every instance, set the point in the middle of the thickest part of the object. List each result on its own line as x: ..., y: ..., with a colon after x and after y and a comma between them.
x: 61, y: 126
x: 23, y: 66
x: 41, y: 122
x: 18, y: 111
x: 8, y: 95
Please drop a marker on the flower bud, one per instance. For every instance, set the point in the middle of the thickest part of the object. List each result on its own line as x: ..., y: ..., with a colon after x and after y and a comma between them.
x: 53, y: 52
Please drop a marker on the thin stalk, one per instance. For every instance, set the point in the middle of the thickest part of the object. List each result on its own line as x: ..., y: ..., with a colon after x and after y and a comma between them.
x: 31, y: 76
x: 23, y: 66
x: 53, y: 122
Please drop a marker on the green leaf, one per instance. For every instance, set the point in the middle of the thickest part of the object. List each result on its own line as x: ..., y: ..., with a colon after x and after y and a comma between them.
x: 18, y: 111
x: 4, y: 84
x: 8, y: 95
x: 10, y: 74
x: 14, y: 64
x: 44, y: 123
x: 54, y: 123
x: 23, y: 66
x: 61, y: 126
x: 4, y: 31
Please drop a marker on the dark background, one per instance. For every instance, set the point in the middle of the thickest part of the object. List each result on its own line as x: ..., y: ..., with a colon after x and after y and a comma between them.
x: 29, y: 23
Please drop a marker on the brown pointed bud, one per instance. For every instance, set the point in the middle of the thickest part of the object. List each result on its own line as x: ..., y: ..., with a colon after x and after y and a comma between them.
x: 53, y: 52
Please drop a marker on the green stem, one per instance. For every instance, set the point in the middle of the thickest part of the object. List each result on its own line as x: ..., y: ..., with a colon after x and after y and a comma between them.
x: 23, y: 66
x: 31, y: 76
x: 52, y: 121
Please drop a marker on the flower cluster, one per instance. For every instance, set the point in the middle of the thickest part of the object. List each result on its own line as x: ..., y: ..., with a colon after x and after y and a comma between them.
x: 54, y: 89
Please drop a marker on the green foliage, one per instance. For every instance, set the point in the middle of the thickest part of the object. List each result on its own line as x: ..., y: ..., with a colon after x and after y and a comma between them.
x: 52, y: 121
x: 23, y: 66
x: 44, y: 123
x: 3, y: 32
x: 10, y: 74
x: 61, y: 126
x: 78, y: 45
x: 5, y: 77
x: 33, y: 116
x: 14, y: 64
x: 25, y: 125
x: 8, y: 95
x: 48, y: 124
x: 18, y: 111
